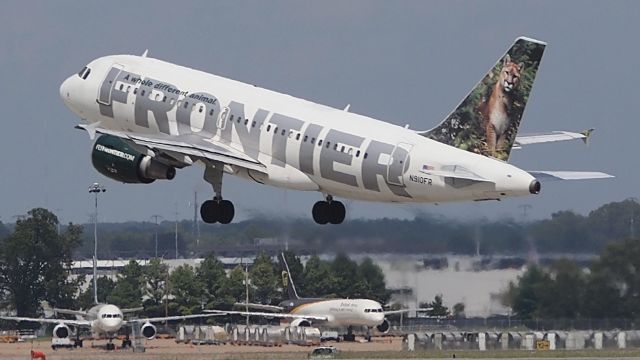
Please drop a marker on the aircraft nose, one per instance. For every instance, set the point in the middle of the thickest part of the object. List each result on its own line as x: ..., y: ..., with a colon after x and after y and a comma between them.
x: 65, y: 90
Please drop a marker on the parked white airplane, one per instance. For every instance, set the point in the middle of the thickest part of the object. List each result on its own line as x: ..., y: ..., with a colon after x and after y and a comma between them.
x: 330, y: 312
x: 104, y: 320
x: 155, y: 116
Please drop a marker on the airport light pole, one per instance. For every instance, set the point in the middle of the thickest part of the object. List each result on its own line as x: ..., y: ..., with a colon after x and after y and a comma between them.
x: 95, y: 189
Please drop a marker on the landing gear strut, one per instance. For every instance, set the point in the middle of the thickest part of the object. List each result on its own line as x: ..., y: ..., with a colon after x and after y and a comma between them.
x: 216, y: 210
x: 328, y: 211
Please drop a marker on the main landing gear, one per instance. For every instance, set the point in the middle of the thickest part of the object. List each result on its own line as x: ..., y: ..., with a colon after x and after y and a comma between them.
x: 329, y: 211
x: 216, y: 210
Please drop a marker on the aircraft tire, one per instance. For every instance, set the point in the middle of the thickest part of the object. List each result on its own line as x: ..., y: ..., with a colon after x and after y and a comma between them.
x: 321, y: 212
x: 210, y: 211
x: 338, y: 212
x: 226, y: 211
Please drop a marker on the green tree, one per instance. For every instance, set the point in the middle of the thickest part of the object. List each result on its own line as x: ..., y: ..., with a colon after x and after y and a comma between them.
x: 458, y: 310
x: 437, y: 307
x: 373, y: 279
x: 264, y: 280
x: 127, y: 292
x: 154, y: 280
x: 318, y: 278
x: 215, y: 291
x: 186, y: 289
x: 236, y: 289
x: 525, y: 297
x: 348, y: 283
x: 35, y: 262
x: 105, y: 288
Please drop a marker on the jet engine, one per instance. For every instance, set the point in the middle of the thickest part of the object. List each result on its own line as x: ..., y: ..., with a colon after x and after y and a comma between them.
x: 115, y: 159
x: 301, y: 323
x: 384, y: 326
x: 61, y: 331
x: 148, y: 330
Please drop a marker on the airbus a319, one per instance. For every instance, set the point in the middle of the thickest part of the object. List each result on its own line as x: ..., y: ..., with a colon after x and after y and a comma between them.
x: 154, y: 117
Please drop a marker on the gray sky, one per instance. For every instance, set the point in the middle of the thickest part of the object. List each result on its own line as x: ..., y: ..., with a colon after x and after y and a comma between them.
x: 402, y: 62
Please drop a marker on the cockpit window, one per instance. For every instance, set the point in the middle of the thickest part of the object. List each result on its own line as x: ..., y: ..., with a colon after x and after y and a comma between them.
x: 84, y: 73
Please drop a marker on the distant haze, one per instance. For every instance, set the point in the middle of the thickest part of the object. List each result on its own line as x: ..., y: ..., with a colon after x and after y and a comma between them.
x: 402, y: 62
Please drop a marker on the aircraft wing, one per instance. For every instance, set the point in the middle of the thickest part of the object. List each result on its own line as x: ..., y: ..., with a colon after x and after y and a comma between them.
x: 552, y: 136
x: 130, y: 310
x: 392, y: 312
x: 49, y: 320
x: 269, y: 315
x: 568, y: 175
x: 260, y: 307
x: 176, y: 317
x: 69, y: 312
x: 191, y: 146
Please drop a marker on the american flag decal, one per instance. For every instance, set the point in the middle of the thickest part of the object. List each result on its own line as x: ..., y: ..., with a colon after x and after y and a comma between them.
x: 427, y: 167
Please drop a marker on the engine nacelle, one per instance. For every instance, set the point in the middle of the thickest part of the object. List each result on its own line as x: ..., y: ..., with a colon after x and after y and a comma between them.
x: 61, y: 331
x: 301, y: 323
x: 384, y: 327
x: 115, y: 159
x: 148, y: 330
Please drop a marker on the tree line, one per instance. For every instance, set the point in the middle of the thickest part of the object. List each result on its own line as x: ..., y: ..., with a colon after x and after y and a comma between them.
x: 563, y: 232
x: 608, y: 289
x: 35, y: 266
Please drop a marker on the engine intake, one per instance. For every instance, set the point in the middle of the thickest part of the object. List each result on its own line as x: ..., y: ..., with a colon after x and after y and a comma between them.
x: 61, y: 331
x: 115, y: 159
x: 384, y: 326
x: 148, y: 330
x: 301, y: 323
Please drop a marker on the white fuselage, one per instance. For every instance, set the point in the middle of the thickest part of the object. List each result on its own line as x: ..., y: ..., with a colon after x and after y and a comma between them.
x: 304, y: 146
x: 106, y: 319
x: 344, y: 312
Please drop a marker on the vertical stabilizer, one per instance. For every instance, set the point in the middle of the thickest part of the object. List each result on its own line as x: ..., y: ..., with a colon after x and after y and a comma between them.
x: 288, y: 280
x: 486, y: 121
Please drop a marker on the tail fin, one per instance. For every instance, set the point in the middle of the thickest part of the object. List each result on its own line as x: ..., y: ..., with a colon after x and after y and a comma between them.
x: 287, y: 280
x: 487, y: 120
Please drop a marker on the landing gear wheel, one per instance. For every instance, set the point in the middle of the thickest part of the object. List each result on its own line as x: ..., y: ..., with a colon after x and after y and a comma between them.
x: 77, y: 343
x: 111, y: 346
x: 338, y: 212
x: 210, y: 211
x: 321, y: 212
x: 226, y: 211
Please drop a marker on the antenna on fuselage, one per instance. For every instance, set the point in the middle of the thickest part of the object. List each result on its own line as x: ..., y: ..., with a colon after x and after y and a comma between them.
x: 144, y: 54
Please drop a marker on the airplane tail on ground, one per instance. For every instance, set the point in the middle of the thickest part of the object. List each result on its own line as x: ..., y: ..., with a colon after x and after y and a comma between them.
x: 287, y: 280
x: 487, y: 120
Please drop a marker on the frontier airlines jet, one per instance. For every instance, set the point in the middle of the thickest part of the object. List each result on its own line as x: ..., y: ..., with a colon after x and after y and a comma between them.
x: 154, y: 117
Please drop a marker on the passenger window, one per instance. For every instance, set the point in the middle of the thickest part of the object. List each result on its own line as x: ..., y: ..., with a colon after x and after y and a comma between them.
x: 186, y: 104
x: 342, y: 149
x: 268, y: 128
x: 298, y: 136
x: 253, y: 124
x: 121, y: 87
x: 246, y: 121
x: 135, y: 91
x: 201, y: 108
x: 142, y: 93
x: 313, y: 140
x: 328, y: 144
x: 335, y: 146
x: 365, y: 155
x: 283, y: 131
x: 211, y: 112
x: 239, y: 119
x: 320, y: 142
x: 305, y: 138
x: 231, y: 117
x: 164, y: 99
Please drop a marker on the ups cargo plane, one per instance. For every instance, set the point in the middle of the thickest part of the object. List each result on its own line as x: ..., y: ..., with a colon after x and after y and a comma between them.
x: 154, y: 117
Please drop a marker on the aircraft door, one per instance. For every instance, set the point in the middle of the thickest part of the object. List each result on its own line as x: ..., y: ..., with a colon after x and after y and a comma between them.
x: 104, y: 94
x: 398, y: 161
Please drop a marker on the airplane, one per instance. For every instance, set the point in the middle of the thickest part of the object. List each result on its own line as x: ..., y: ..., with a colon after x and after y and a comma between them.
x: 331, y: 312
x: 154, y: 117
x: 102, y: 320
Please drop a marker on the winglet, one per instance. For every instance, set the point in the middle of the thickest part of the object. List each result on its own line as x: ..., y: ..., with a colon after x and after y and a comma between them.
x: 346, y: 108
x: 587, y: 134
x: 144, y: 54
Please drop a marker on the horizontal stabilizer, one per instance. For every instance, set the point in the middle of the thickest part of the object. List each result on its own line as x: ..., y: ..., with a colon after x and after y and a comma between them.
x: 569, y: 175
x: 552, y: 136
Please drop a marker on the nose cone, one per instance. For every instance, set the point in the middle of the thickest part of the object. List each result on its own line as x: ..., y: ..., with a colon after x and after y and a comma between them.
x: 65, y: 91
x: 112, y: 325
